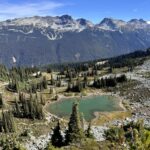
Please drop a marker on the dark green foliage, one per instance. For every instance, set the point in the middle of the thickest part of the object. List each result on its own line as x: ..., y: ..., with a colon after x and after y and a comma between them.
x: 121, y: 78
x: 19, y: 75
x: 57, y: 139
x: 88, y: 132
x: 133, y: 134
x: 76, y: 86
x: 110, y: 70
x: 7, y: 123
x: 75, y: 131
x: 128, y: 60
x: 13, y: 85
x: 148, y: 51
x: 85, y: 80
x: 44, y: 82
x: 1, y: 101
x: 34, y: 87
x: 9, y: 142
x: 109, y: 82
x: 115, y: 134
x: 49, y: 70
x: 25, y: 133
x: 3, y: 73
x: 42, y: 100
x: 82, y: 120
x: 52, y: 80
x: 28, y: 108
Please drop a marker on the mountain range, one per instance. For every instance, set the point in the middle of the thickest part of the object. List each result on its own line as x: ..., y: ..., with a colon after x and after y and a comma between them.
x: 44, y: 40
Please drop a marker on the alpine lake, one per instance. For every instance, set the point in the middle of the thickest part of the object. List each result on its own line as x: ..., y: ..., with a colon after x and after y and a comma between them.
x: 87, y: 105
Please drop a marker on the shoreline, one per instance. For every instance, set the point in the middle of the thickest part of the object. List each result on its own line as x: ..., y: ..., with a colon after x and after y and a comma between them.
x: 61, y: 97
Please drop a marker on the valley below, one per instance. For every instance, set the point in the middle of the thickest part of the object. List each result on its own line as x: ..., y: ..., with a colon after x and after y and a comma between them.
x: 107, y: 97
x: 132, y: 108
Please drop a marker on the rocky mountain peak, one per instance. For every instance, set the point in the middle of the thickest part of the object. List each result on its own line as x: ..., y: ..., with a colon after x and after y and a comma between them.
x: 67, y: 23
x: 84, y: 22
x: 137, y: 21
x: 111, y: 24
x: 137, y: 24
x: 66, y: 17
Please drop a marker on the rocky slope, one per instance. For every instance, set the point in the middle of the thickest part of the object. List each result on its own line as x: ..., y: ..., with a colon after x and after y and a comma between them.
x: 42, y: 40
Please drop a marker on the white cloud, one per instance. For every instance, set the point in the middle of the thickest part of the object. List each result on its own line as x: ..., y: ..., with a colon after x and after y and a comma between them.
x: 9, y: 10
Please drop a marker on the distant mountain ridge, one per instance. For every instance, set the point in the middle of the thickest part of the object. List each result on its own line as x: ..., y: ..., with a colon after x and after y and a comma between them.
x: 42, y: 40
x: 67, y: 23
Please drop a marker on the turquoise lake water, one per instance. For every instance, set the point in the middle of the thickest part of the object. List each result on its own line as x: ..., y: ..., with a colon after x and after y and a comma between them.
x: 87, y: 106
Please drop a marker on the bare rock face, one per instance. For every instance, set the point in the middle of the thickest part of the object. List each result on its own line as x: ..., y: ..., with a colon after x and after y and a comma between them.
x: 43, y: 40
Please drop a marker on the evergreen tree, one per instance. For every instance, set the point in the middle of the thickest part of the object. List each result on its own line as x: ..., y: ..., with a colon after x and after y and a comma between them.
x: 85, y: 80
x: 42, y: 100
x: 29, y: 108
x: 57, y: 139
x: 121, y: 135
x: 74, y: 132
x: 1, y: 101
x: 17, y: 109
x: 7, y: 123
x: 52, y: 80
x: 88, y: 132
x: 44, y: 82
x: 51, y: 91
x: 82, y: 120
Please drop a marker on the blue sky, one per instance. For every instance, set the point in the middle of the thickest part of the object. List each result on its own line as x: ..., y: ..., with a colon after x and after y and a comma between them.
x: 94, y: 10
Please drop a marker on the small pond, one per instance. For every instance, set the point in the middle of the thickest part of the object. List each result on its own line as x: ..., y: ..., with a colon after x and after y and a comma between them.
x: 87, y: 106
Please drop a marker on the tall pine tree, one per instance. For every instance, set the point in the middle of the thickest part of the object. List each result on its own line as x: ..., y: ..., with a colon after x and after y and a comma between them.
x: 75, y: 131
x: 57, y: 139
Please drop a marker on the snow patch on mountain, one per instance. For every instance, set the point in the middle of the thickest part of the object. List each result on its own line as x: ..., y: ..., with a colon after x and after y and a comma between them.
x: 66, y: 23
x: 137, y: 24
x: 111, y: 24
x: 15, y: 30
x: 62, y: 24
x: 54, y: 27
x: 52, y: 36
